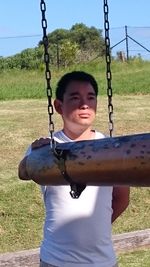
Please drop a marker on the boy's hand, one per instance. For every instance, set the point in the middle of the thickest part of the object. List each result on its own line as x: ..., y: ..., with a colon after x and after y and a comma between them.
x: 40, y: 142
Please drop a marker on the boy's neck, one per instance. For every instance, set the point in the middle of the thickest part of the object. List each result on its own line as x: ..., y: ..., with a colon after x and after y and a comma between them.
x: 85, y: 135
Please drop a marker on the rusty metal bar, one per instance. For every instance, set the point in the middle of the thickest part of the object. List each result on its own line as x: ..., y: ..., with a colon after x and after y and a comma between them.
x: 123, y: 160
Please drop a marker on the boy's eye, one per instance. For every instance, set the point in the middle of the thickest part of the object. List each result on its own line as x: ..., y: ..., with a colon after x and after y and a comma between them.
x: 91, y: 97
x: 74, y: 98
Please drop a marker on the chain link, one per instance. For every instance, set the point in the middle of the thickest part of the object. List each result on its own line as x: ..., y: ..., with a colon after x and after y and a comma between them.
x: 47, y: 71
x: 108, y: 68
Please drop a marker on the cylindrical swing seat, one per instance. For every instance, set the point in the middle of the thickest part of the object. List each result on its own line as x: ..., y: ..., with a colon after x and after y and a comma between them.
x: 123, y: 160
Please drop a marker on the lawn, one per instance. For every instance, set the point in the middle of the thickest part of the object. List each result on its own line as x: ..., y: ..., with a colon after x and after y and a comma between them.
x: 23, y: 118
x: 21, y: 208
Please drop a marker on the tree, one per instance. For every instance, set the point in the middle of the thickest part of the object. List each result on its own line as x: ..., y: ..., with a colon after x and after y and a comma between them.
x: 57, y: 36
x: 90, y: 42
x: 80, y: 43
x: 68, y: 53
x: 88, y: 38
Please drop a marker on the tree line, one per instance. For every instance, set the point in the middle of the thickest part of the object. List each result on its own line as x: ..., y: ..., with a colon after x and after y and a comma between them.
x: 66, y: 47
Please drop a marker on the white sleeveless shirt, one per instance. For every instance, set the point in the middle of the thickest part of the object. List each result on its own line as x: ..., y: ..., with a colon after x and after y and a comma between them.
x: 77, y: 232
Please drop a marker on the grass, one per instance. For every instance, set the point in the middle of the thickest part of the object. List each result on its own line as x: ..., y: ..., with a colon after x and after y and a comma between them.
x: 24, y: 119
x: 17, y: 84
x: 135, y: 259
x: 21, y: 217
x: 127, y: 78
x: 21, y: 207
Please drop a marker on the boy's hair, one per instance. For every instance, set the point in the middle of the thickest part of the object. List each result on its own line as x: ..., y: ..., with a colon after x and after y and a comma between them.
x: 74, y: 76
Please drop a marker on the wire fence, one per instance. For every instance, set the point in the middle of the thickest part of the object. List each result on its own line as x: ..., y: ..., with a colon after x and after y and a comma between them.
x: 130, y: 41
x: 11, y: 45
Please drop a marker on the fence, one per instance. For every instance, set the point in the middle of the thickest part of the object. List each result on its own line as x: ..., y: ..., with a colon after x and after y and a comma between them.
x: 131, y: 41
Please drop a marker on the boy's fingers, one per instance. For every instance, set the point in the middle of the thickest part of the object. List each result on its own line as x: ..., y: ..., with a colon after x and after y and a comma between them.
x: 40, y: 142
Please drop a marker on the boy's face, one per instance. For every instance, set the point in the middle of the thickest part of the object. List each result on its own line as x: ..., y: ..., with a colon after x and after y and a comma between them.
x: 79, y: 105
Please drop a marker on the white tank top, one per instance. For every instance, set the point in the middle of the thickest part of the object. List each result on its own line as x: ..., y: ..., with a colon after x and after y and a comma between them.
x: 77, y: 232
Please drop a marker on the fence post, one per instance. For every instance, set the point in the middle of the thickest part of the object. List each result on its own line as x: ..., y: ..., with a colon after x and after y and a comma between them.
x: 127, y: 46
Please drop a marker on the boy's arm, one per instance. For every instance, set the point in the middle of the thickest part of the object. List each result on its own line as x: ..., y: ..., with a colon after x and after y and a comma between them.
x: 120, y: 200
x: 22, y: 173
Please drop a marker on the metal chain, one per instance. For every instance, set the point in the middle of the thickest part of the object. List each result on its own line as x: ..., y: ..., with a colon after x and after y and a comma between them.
x: 108, y: 66
x: 47, y: 71
x: 76, y: 188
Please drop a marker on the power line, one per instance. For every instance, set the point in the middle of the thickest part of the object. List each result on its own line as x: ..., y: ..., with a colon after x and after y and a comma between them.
x: 21, y: 36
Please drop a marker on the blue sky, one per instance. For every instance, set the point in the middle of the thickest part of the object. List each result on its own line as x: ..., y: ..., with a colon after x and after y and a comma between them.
x: 23, y: 18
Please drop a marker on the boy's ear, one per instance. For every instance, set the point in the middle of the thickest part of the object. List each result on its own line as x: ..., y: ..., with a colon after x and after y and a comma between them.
x: 58, y: 106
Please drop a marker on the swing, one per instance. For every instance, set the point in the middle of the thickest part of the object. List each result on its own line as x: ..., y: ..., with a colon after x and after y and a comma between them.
x: 123, y: 160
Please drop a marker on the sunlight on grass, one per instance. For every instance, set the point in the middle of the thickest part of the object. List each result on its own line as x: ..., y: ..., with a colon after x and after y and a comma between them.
x: 135, y: 259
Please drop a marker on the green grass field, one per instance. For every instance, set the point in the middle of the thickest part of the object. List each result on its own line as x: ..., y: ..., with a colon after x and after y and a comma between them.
x: 23, y: 120
x: 127, y: 78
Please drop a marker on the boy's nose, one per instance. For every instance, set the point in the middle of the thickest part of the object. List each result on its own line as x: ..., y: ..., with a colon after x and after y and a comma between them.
x: 84, y: 105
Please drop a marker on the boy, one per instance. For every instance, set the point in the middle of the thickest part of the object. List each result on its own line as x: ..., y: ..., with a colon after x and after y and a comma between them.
x: 78, y: 232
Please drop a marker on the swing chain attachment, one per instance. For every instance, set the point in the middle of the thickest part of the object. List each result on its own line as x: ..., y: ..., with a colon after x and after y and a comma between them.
x: 76, y: 188
x: 108, y: 68
x: 47, y: 72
